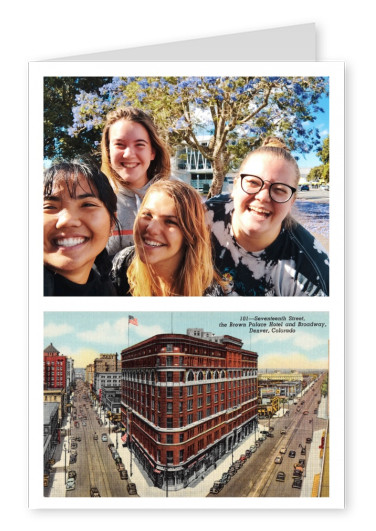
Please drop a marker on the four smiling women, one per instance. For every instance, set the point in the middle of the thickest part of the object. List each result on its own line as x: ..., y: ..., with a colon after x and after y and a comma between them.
x: 167, y: 242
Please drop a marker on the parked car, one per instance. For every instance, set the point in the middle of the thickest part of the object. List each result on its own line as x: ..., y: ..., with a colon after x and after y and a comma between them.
x: 111, y: 445
x: 252, y: 449
x: 302, y: 462
x: 270, y: 434
x: 297, y: 483
x: 278, y: 460
x: 282, y: 450
x: 94, y: 492
x: 225, y: 477
x: 248, y: 453
x: 303, y: 451
x: 264, y: 432
x: 304, y: 188
x: 292, y: 453
x: 72, y: 474
x: 217, y: 486
x: 73, y: 445
x: 120, y: 466
x: 132, y: 489
x: 308, y: 440
x: 283, y: 432
x: 281, y: 476
x: 123, y: 474
x: 297, y: 473
x: 243, y: 457
x: 104, y: 437
x: 71, y: 484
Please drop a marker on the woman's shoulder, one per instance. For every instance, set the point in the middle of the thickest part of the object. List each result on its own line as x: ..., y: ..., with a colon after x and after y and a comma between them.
x: 123, y: 257
x: 311, y: 257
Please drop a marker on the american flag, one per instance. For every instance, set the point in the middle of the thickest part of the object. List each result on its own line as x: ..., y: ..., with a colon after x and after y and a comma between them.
x: 132, y: 320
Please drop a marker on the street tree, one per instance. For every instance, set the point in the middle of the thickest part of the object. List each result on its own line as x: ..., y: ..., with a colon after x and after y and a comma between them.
x: 321, y: 173
x: 235, y: 112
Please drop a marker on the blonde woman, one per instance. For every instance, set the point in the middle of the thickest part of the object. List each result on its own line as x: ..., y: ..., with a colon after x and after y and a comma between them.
x: 260, y: 250
x: 172, y: 255
x: 134, y: 156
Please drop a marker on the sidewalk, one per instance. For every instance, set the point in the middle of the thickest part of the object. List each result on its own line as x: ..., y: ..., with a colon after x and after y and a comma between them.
x: 56, y: 488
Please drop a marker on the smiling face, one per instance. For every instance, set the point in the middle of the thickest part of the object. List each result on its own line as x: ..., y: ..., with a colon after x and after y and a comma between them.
x: 76, y: 230
x: 131, y: 152
x: 257, y: 220
x: 158, y: 236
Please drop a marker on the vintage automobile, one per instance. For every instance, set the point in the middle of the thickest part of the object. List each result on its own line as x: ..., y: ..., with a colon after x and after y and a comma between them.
x: 71, y: 484
x: 132, y: 489
x: 94, y: 492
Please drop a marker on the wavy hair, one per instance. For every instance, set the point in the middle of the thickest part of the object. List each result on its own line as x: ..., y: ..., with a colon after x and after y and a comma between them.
x: 196, y: 272
x: 159, y: 168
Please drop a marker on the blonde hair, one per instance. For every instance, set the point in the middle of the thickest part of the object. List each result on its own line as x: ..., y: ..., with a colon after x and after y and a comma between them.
x: 196, y: 272
x: 159, y: 168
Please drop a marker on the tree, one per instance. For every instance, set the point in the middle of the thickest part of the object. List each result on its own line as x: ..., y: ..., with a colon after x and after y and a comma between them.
x: 321, y: 173
x: 237, y: 112
x: 59, y: 98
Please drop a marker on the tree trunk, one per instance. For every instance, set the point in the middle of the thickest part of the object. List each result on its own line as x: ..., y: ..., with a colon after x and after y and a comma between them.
x: 220, y: 167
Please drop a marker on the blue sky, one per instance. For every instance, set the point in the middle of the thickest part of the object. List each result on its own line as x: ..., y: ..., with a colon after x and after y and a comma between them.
x: 85, y: 335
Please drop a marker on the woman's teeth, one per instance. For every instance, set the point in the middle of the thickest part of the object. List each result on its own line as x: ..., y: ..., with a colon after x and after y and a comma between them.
x: 69, y: 242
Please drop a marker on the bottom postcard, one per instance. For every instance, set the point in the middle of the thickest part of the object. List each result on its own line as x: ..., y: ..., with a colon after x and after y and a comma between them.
x: 177, y: 405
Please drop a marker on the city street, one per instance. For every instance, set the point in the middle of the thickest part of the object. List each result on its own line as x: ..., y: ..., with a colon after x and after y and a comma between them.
x: 94, y: 466
x: 256, y: 478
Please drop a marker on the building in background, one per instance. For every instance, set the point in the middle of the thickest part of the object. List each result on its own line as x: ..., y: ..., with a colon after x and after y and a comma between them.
x: 55, y: 378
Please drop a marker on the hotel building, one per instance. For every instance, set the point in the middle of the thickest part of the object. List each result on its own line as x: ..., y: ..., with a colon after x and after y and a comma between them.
x: 186, y: 401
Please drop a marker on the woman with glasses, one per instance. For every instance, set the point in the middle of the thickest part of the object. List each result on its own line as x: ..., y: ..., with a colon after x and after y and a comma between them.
x: 259, y: 248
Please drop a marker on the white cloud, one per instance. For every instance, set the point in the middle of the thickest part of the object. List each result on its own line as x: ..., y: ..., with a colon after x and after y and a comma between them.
x: 56, y: 330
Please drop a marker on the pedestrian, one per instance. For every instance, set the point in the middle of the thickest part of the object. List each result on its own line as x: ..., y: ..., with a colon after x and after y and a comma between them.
x: 134, y: 156
x: 260, y: 249
x: 79, y: 213
x: 172, y: 254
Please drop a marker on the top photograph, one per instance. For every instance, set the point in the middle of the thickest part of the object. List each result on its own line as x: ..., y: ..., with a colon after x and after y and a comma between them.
x: 186, y: 186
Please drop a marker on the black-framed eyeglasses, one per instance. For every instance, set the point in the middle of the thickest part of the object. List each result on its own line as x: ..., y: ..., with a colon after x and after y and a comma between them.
x: 278, y: 192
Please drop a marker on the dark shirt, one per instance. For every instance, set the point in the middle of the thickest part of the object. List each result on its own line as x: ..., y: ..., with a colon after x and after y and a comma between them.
x: 57, y: 285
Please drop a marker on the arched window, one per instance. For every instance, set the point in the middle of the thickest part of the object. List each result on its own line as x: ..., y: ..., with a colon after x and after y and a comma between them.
x: 208, y: 375
x: 216, y: 375
x: 200, y: 376
x: 190, y: 377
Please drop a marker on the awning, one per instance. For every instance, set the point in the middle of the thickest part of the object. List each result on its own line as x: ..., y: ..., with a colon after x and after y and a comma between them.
x: 157, y: 471
x: 124, y: 437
